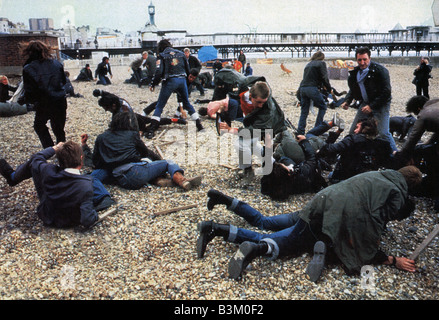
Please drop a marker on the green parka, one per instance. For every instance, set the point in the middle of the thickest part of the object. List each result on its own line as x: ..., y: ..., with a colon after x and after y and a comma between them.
x: 354, y: 213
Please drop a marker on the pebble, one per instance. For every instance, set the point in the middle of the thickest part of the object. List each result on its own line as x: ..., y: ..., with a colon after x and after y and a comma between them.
x: 131, y: 255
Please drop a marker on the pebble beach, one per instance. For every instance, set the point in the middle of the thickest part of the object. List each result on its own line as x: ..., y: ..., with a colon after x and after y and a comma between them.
x: 135, y: 255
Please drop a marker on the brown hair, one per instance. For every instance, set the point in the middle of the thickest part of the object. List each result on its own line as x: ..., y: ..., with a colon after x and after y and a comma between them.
x: 412, y: 176
x: 260, y: 90
x: 36, y: 50
x: 69, y: 155
x: 369, y: 127
x: 318, y: 56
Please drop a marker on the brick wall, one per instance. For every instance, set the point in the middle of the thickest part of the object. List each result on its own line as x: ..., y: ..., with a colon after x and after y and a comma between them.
x: 11, y: 60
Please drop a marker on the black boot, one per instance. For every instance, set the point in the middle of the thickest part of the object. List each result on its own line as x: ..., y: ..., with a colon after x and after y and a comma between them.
x: 209, y: 230
x: 315, y: 267
x: 246, y: 253
x: 217, y: 197
x: 6, y: 171
x: 149, y: 134
x: 199, y: 125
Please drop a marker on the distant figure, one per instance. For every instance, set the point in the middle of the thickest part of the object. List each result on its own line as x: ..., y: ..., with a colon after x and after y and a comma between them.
x: 217, y: 66
x: 5, y: 87
x: 237, y: 65
x: 85, y: 74
x: 248, y: 70
x: 44, y: 80
x: 242, y: 59
x: 102, y: 70
x: 315, y: 76
x: 422, y: 74
x: 194, y: 63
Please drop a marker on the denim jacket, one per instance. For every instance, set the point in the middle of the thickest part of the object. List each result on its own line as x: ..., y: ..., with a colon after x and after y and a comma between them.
x: 170, y: 63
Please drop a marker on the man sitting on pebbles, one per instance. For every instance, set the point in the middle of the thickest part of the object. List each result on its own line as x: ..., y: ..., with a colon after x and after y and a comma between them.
x: 120, y: 156
x: 348, y: 218
x: 67, y: 198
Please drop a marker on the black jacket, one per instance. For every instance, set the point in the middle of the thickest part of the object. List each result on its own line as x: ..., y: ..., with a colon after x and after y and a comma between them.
x: 4, y: 92
x: 113, y: 149
x: 316, y: 75
x: 307, y: 177
x: 103, y: 69
x: 422, y: 74
x: 44, y: 81
x: 358, y: 154
x: 377, y: 83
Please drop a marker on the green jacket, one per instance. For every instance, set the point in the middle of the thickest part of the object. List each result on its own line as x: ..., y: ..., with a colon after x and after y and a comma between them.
x: 270, y: 116
x: 354, y: 213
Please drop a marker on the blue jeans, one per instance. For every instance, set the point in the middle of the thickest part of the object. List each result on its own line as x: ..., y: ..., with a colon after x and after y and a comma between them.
x: 383, y: 117
x: 104, y: 80
x: 308, y: 94
x: 168, y: 87
x: 318, y: 130
x: 292, y: 235
x: 142, y: 173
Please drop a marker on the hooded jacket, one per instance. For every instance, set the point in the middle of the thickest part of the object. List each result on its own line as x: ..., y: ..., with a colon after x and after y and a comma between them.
x: 354, y: 213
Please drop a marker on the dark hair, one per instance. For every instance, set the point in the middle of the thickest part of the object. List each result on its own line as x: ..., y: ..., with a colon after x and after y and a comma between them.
x: 415, y: 104
x: 163, y: 44
x: 69, y: 155
x: 202, y: 111
x: 105, y: 58
x: 362, y: 50
x: 369, y: 127
x: 124, y: 121
x: 36, y: 50
x: 107, y: 100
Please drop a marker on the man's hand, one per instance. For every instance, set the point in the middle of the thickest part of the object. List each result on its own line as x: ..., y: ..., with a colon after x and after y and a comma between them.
x: 300, y: 138
x: 58, y: 146
x: 84, y: 138
x: 405, y: 264
x: 345, y: 106
x: 366, y: 109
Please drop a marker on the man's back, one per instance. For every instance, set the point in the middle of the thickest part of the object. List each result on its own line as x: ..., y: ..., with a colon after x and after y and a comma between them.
x: 66, y: 199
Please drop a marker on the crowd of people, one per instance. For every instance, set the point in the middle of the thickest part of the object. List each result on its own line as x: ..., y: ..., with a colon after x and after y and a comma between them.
x: 370, y: 181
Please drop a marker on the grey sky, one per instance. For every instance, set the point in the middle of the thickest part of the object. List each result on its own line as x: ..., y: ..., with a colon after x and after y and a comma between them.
x: 206, y: 16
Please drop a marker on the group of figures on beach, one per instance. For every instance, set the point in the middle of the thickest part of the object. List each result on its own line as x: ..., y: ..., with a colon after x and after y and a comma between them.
x: 370, y: 181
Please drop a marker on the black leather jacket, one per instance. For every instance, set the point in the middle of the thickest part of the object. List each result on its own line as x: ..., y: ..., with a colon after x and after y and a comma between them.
x: 377, y: 83
x: 44, y: 81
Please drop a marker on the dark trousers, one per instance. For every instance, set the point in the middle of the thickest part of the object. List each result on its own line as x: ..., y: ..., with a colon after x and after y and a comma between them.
x: 422, y: 90
x: 56, y: 113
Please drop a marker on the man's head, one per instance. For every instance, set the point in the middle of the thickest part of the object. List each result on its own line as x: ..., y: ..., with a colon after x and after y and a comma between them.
x: 105, y: 59
x: 362, y: 55
x: 319, y: 55
x: 259, y: 94
x: 70, y: 155
x: 37, y: 50
x: 416, y: 104
x: 193, y: 74
x: 87, y: 66
x: 187, y: 52
x: 124, y: 121
x: 163, y: 44
x: 145, y: 54
x: 368, y: 127
x: 4, y: 80
x: 108, y: 101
